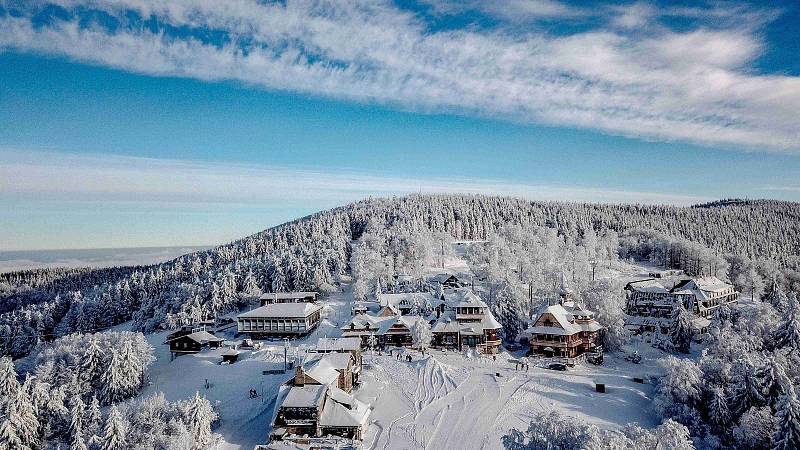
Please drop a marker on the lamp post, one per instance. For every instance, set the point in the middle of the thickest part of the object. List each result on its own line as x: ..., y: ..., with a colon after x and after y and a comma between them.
x: 285, y: 353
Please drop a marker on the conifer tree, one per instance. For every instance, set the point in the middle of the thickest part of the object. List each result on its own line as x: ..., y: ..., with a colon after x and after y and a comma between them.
x: 114, y: 431
x: 9, y: 438
x: 718, y: 409
x: 113, y: 381
x: 200, y: 415
x: 776, y: 297
x: 746, y: 390
x: 76, y: 425
x: 788, y: 332
x: 787, y: 436
x: 92, y: 418
x: 680, y: 330
x: 9, y: 385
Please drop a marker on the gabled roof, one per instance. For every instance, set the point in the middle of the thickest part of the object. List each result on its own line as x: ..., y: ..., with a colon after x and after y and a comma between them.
x: 321, y: 370
x: 707, y: 284
x: 648, y: 285
x: 201, y: 337
x: 339, y: 361
x: 489, y: 322
x: 463, y: 297
x: 282, y: 310
x: 407, y: 299
x: 343, y: 410
x: 442, y: 277
x: 565, y: 320
x: 307, y: 396
x: 342, y: 344
x: 288, y: 295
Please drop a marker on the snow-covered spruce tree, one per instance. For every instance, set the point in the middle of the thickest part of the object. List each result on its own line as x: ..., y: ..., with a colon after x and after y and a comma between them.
x: 680, y: 330
x: 788, y: 332
x: 133, y: 374
x: 787, y: 436
x: 776, y: 297
x: 772, y: 378
x: 9, y: 385
x: 114, y: 380
x: 745, y: 390
x: 91, y: 362
x: 9, y: 438
x: 718, y: 413
x: 421, y: 335
x: 114, y: 431
x: 92, y: 422
x: 77, y: 441
x: 200, y: 415
x: 22, y: 416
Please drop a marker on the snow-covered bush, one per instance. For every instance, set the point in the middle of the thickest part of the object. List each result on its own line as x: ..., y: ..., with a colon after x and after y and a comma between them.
x: 551, y: 430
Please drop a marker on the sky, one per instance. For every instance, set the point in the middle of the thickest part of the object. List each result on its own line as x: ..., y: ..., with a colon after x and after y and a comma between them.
x: 144, y: 123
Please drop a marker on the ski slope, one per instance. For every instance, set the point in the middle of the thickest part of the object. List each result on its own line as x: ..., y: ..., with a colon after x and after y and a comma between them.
x: 446, y: 401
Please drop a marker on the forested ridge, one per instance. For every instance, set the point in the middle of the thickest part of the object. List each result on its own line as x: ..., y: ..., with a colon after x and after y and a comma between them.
x: 762, y: 237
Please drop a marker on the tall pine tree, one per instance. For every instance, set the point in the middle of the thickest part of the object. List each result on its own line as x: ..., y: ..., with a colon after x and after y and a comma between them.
x: 787, y: 436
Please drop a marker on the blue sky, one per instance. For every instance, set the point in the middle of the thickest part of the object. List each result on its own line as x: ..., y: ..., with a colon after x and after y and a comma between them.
x: 150, y: 123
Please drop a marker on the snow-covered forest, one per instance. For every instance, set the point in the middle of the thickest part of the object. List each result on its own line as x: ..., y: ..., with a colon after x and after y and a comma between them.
x: 737, y: 393
x: 751, y: 242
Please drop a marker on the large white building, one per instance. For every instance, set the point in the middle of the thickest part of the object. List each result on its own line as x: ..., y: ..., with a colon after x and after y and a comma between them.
x: 650, y: 304
x: 279, y: 320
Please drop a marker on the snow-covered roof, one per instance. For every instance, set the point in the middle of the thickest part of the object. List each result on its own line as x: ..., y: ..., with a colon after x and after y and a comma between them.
x: 649, y: 285
x: 446, y: 324
x: 463, y: 297
x: 203, y: 336
x: 343, y: 410
x: 565, y: 319
x: 708, y: 284
x: 339, y: 361
x: 342, y: 344
x: 441, y: 277
x: 288, y: 295
x: 489, y: 322
x: 407, y: 299
x: 307, y: 396
x: 321, y: 370
x: 282, y: 310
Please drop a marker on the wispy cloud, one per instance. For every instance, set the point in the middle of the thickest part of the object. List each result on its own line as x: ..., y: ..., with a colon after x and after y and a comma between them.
x: 626, y: 74
x: 107, y: 178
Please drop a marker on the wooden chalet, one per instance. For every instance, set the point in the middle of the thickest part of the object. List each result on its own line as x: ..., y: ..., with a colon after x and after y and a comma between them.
x: 349, y: 345
x: 565, y: 331
x: 388, y: 326
x: 326, y: 368
x: 317, y: 410
x: 462, y: 321
x: 447, y: 280
x: 191, y: 340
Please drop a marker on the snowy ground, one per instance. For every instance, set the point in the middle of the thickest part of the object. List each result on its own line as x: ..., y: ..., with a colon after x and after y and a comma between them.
x: 440, y: 401
x: 446, y: 401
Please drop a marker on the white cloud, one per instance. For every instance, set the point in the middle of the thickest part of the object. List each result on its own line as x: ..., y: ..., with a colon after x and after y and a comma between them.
x: 107, y: 178
x: 694, y: 86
